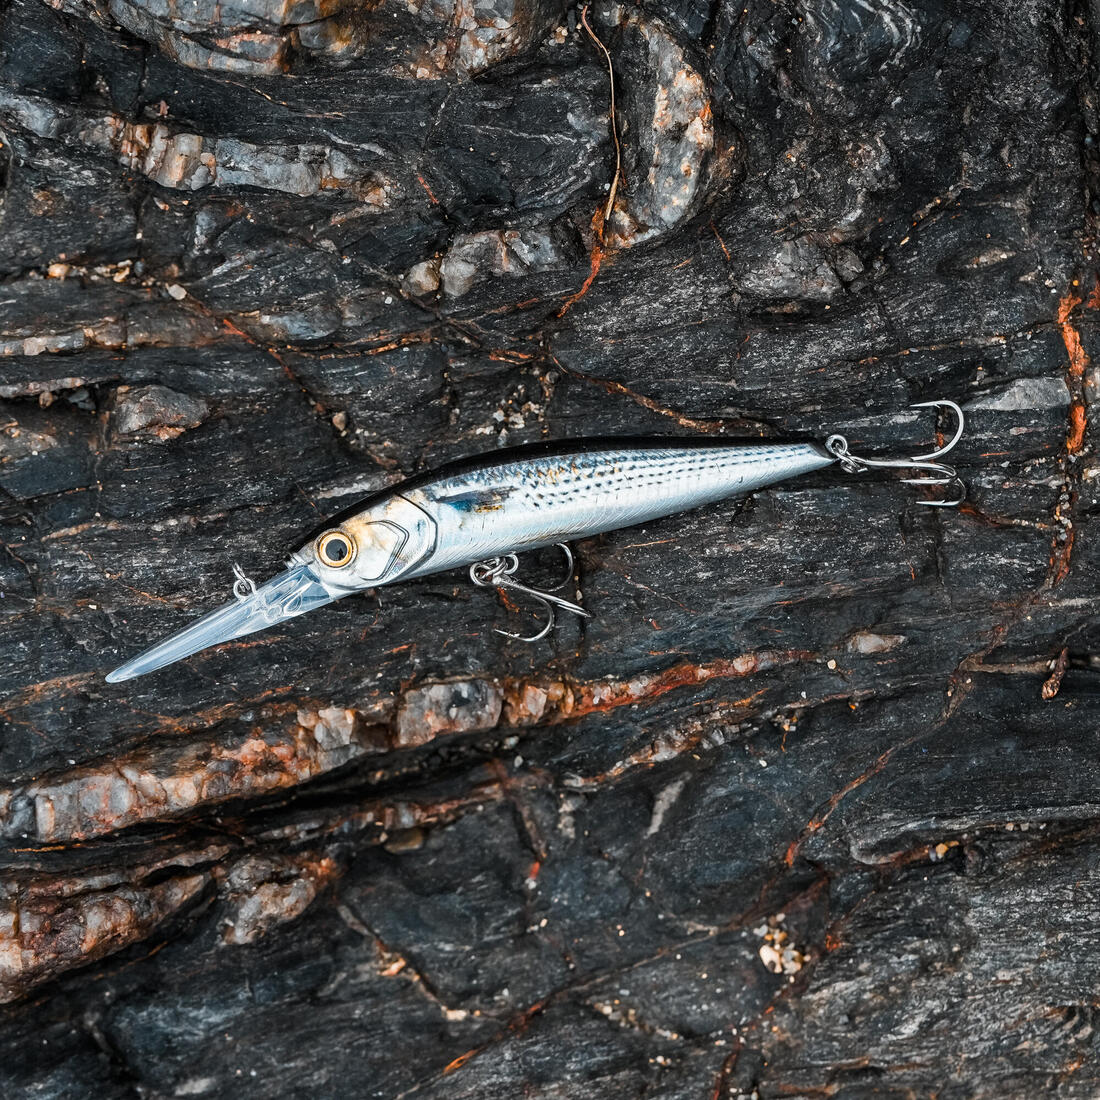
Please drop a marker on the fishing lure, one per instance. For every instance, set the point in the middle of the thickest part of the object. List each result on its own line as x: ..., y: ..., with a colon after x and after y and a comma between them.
x: 482, y: 512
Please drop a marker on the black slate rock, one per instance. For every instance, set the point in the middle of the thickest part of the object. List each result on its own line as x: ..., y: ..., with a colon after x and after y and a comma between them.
x: 809, y: 806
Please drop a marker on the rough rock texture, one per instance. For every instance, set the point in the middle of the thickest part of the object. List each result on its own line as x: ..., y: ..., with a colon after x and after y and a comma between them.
x: 809, y: 808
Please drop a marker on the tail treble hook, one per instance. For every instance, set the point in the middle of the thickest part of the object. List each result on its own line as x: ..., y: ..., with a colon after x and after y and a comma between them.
x: 500, y: 573
x: 926, y: 464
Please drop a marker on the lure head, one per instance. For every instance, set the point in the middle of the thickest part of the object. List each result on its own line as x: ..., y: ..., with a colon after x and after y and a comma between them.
x: 384, y: 539
x: 378, y: 544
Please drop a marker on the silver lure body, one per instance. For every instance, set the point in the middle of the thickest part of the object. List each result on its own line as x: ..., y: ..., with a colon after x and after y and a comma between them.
x: 484, y: 508
x: 521, y: 500
x: 481, y: 512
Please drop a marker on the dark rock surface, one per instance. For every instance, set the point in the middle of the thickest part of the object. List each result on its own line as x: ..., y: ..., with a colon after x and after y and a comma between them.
x: 808, y: 809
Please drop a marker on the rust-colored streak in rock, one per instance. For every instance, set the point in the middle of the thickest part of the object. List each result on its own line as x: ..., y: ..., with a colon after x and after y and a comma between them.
x: 460, y: 1061
x: 1062, y: 549
x: 516, y: 1026
x: 604, y: 697
x: 599, y: 219
x: 385, y: 817
x: 1093, y: 300
x: 818, y: 821
x: 595, y: 261
x: 1077, y: 363
x: 1078, y: 360
x: 611, y: 386
x: 1078, y: 422
x: 576, y: 701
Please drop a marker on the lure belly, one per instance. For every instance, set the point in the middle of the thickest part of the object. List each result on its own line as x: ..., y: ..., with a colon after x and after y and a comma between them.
x: 481, y: 512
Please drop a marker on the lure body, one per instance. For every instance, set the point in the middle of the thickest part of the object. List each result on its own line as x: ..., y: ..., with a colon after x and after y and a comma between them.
x: 481, y: 512
x: 527, y: 498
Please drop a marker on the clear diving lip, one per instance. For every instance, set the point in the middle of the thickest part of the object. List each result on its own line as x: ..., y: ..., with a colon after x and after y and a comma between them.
x: 291, y: 593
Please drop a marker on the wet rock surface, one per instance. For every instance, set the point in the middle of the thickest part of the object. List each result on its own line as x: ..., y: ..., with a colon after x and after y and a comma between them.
x: 157, y: 411
x: 808, y: 808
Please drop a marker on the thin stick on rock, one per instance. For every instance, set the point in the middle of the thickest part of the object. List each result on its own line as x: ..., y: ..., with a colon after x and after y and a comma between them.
x: 614, y: 121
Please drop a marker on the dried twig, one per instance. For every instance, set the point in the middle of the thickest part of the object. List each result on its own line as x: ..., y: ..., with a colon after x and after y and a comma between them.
x: 614, y: 121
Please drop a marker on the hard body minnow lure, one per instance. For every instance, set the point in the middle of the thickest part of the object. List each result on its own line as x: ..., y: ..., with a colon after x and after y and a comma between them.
x: 482, y: 512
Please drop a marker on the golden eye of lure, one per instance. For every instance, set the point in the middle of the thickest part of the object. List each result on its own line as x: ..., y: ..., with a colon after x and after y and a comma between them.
x: 481, y: 512
x: 335, y: 549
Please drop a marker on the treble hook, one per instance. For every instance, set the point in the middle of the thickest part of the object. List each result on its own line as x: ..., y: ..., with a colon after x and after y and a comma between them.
x: 928, y: 463
x: 500, y: 573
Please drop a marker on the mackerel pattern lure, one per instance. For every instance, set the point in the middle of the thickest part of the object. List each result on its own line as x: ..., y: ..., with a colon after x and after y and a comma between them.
x: 482, y: 512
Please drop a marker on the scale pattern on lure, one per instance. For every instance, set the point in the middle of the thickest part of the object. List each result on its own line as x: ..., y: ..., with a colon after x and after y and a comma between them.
x: 481, y: 512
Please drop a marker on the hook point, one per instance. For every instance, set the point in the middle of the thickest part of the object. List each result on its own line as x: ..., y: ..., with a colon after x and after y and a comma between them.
x: 942, y: 474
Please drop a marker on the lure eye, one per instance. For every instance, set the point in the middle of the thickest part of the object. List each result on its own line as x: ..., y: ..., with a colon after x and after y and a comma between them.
x: 335, y: 549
